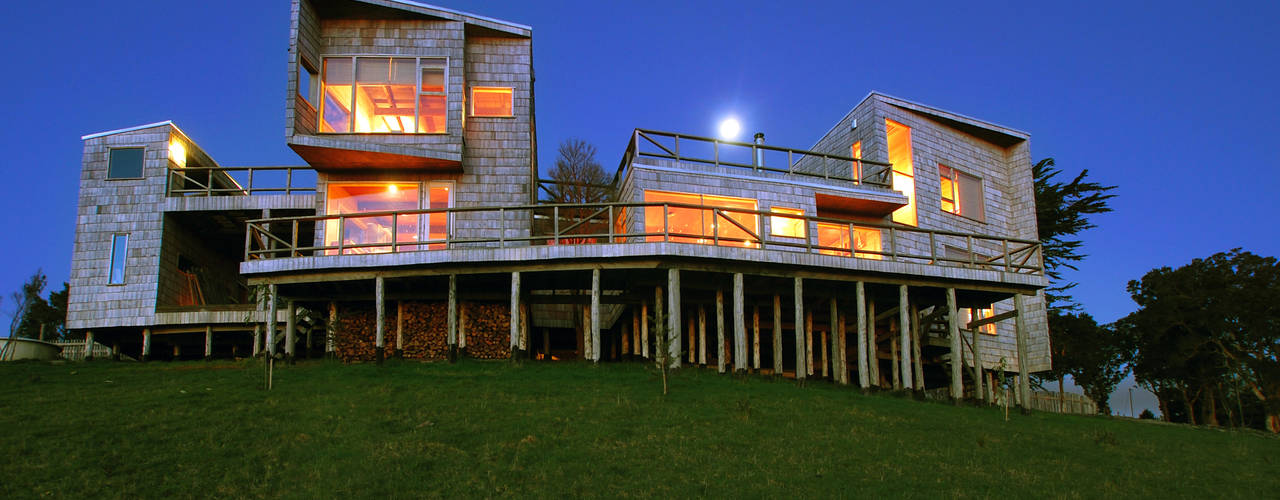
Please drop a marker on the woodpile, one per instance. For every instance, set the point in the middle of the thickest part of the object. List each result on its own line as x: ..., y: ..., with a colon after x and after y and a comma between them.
x: 425, y: 331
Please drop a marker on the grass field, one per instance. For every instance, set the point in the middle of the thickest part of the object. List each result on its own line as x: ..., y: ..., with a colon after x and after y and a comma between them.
x: 481, y: 429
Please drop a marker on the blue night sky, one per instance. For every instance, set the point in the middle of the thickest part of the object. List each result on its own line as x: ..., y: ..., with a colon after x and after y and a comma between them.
x: 1176, y: 104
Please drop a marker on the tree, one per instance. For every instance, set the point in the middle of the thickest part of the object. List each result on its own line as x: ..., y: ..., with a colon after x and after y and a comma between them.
x: 1090, y: 353
x: 50, y: 312
x: 1208, y: 332
x: 1062, y: 212
x: 25, y: 301
x: 577, y: 176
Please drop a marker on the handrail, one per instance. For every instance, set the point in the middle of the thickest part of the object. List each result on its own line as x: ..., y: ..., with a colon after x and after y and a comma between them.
x: 856, y: 170
x: 597, y: 223
x: 217, y: 181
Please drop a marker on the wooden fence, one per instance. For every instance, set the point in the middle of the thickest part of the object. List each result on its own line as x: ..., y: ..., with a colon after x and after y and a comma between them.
x: 74, y: 351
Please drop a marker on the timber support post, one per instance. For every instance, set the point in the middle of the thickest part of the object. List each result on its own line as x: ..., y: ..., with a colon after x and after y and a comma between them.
x: 978, y: 391
x: 799, y: 328
x: 208, y: 342
x: 702, y: 334
x: 399, y: 351
x: 673, y: 317
x: 873, y: 344
x: 1024, y: 372
x: 864, y: 376
x: 777, y: 335
x: 835, y: 331
x: 88, y: 345
x: 720, y: 359
x: 904, y: 334
x: 146, y: 344
x: 331, y: 333
x: 453, y: 318
x: 739, y: 324
x: 515, y: 314
x: 271, y: 321
x: 755, y: 338
x: 380, y: 310
x: 290, y: 322
x: 644, y: 323
x: 595, y: 315
x: 957, y: 353
x: 917, y: 363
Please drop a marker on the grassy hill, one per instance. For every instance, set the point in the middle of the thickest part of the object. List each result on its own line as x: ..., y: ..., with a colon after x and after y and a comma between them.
x: 498, y: 429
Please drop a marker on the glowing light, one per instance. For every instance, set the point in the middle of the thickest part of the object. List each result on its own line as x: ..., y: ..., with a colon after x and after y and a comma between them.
x: 729, y: 128
x: 178, y: 153
x: 393, y: 189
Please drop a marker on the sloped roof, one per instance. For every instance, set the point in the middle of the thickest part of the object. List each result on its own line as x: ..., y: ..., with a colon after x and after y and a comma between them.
x: 996, y: 134
x: 341, y: 8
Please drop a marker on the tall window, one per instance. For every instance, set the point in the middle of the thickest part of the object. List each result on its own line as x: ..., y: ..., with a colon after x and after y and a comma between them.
x: 961, y: 193
x: 977, y: 314
x: 124, y: 163
x: 789, y: 227
x: 491, y: 101
x: 308, y: 83
x: 904, y: 177
x: 371, y: 95
x: 119, y: 253
x: 698, y: 225
x: 375, y: 233
x: 833, y: 239
x: 855, y: 152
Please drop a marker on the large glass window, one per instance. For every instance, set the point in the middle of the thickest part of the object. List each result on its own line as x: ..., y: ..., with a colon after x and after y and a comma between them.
x: 961, y: 193
x: 697, y: 225
x: 375, y: 233
x: 491, y: 101
x: 119, y: 254
x: 124, y: 163
x: 371, y: 95
x: 904, y: 177
x: 833, y: 239
x: 789, y: 227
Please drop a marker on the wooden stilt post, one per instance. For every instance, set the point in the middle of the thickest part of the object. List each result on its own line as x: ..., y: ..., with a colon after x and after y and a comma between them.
x: 777, y: 335
x: 644, y: 322
x: 88, y: 345
x: 451, y: 317
x: 893, y: 352
x: 739, y: 324
x: 462, y: 327
x: 720, y: 359
x: 904, y: 334
x: 978, y: 393
x: 399, y: 349
x: 583, y: 331
x: 823, y: 352
x: 755, y: 338
x: 673, y: 317
x: 515, y: 314
x: 702, y: 334
x: 799, y: 327
x: 332, y: 329
x: 864, y: 376
x: 524, y: 328
x: 380, y: 309
x: 843, y: 350
x: 290, y: 324
x: 146, y: 344
x: 808, y: 342
x: 271, y: 321
x: 309, y: 352
x: 257, y: 341
x: 1024, y: 371
x: 834, y: 330
x: 208, y: 341
x: 595, y: 315
x: 635, y: 331
x: 693, y: 340
x: 873, y: 344
x: 917, y: 363
x: 626, y: 340
x: 546, y: 344
x: 957, y: 353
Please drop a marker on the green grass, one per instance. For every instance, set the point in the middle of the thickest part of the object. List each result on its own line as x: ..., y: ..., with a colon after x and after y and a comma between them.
x: 482, y: 429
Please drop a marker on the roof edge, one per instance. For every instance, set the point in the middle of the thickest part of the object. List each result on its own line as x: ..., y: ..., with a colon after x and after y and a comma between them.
x: 925, y: 108
x: 456, y: 12
x: 131, y: 129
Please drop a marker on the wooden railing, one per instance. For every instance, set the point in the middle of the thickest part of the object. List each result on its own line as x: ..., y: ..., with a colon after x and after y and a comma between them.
x: 756, y: 157
x: 617, y: 223
x: 241, y: 181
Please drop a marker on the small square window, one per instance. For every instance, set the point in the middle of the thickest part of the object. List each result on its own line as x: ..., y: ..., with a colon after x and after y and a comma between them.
x: 789, y: 227
x: 119, y: 251
x: 977, y: 314
x: 491, y: 101
x: 961, y: 193
x: 124, y: 163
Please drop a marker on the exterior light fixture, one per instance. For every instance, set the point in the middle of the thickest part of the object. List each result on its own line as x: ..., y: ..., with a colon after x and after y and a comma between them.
x: 178, y: 153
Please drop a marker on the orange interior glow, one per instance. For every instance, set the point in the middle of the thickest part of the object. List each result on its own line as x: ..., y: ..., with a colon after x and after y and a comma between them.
x: 855, y: 151
x: 789, y: 227
x: 834, y: 238
x: 491, y: 101
x: 975, y: 314
x: 899, y: 138
x: 697, y: 225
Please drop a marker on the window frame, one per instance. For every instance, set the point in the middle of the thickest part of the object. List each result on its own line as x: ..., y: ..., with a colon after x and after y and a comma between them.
x: 424, y: 201
x: 313, y: 84
x: 417, y: 92
x: 956, y: 176
x: 124, y: 261
x: 913, y: 205
x: 142, y: 168
x: 511, y: 95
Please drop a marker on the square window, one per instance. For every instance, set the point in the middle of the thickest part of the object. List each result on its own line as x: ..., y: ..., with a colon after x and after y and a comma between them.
x: 119, y: 251
x: 491, y: 101
x: 961, y: 193
x: 124, y: 163
x: 789, y: 227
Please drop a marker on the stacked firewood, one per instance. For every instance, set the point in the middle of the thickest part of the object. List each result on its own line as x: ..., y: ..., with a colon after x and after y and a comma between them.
x: 424, y: 329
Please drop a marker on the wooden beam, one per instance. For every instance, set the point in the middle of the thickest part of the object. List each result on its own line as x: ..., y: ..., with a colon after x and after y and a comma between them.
x: 451, y: 319
x: 644, y: 323
x: 740, y: 354
x: 977, y: 363
x: 997, y: 318
x: 799, y: 327
x: 873, y: 345
x: 331, y: 334
x: 957, y: 353
x: 1024, y: 371
x: 887, y: 313
x: 720, y: 360
x: 808, y: 342
x: 515, y: 314
x: 904, y: 334
x: 864, y: 376
x: 702, y: 335
x: 917, y: 363
x: 673, y: 317
x: 834, y: 331
x: 777, y: 335
x: 380, y: 306
x: 595, y: 315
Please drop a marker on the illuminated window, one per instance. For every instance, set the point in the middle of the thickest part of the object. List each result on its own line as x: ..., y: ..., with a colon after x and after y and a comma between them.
x: 383, y: 95
x: 491, y: 101
x: 977, y: 314
x: 855, y: 152
x: 119, y: 251
x: 124, y: 163
x: 698, y: 225
x: 961, y: 193
x: 789, y: 227
x: 375, y: 233
x: 833, y: 238
x: 899, y: 138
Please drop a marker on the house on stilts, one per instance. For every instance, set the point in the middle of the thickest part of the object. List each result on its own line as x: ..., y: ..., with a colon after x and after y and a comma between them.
x: 898, y: 251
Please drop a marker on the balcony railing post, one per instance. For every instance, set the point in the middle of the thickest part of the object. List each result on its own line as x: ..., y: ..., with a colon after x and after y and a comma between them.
x: 293, y: 243
x: 933, y: 253
x: 288, y: 181
x: 715, y: 226
x: 342, y: 228
x: 1040, y: 253
x: 249, y: 188
x: 555, y: 224
x: 502, y: 227
x: 610, y: 223
x: 666, y: 223
x: 1007, y: 260
x: 893, y: 244
x: 248, y: 239
x: 395, y: 232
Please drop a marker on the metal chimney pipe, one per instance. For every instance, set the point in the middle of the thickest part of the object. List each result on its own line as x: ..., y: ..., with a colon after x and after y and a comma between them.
x: 759, y: 152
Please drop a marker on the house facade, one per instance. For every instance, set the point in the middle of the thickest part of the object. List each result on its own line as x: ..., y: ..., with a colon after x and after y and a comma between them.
x: 897, y: 251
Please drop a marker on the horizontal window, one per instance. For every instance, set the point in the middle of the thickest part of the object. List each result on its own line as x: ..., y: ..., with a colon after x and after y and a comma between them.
x: 961, y: 193
x: 375, y: 233
x: 491, y: 101
x: 703, y: 226
x: 124, y: 163
x: 833, y: 239
x: 371, y: 95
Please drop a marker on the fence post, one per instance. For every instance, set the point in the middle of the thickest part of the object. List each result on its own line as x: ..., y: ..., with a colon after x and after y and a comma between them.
x: 893, y: 244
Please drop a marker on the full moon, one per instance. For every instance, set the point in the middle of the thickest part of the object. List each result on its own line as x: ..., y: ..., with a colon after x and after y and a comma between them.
x: 729, y: 128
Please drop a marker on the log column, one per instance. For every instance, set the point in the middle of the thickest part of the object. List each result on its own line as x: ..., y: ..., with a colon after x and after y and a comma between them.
x: 702, y: 334
x: 755, y: 338
x: 720, y: 364
x: 739, y: 325
x: 208, y: 341
x: 979, y: 393
x: 271, y: 320
x: 837, y: 364
x: 515, y: 313
x: 399, y: 351
x: 257, y: 339
x: 380, y: 309
x: 864, y: 376
x: 873, y: 344
x: 904, y: 334
x: 453, y: 318
x: 146, y: 344
x: 777, y: 335
x: 673, y: 318
x: 957, y: 353
x: 918, y: 363
x: 290, y: 322
x: 644, y: 322
x: 1024, y: 373
x: 332, y: 333
x: 595, y: 315
x: 799, y: 328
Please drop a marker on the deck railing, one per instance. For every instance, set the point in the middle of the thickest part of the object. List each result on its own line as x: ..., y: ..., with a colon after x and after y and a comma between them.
x: 756, y: 157
x: 617, y: 223
x: 241, y: 181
